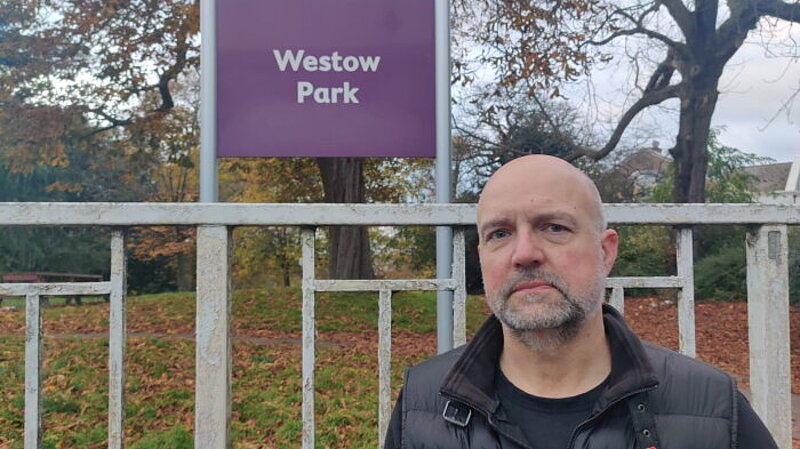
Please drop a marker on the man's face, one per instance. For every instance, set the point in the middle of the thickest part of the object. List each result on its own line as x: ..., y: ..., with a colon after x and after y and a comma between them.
x: 543, y: 257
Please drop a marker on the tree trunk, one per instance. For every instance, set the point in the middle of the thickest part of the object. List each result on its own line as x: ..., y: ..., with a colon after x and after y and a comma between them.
x: 690, y: 153
x: 185, y: 270
x: 691, y: 145
x: 349, y: 254
x: 287, y: 279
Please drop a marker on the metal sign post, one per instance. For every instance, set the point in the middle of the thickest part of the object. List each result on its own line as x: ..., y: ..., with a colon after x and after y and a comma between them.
x: 444, y: 234
x: 208, y: 103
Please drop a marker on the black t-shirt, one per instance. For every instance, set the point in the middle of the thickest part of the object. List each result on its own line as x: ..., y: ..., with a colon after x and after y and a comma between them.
x: 554, y: 419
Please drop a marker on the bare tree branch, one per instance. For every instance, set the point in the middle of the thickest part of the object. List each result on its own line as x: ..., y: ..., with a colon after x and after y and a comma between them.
x: 786, y: 107
x: 566, y: 138
x: 677, y: 46
x: 174, y: 70
x: 114, y: 122
x: 650, y: 98
x: 679, y: 13
x: 705, y: 20
x: 732, y: 33
x: 662, y: 75
x: 491, y: 143
x: 781, y: 10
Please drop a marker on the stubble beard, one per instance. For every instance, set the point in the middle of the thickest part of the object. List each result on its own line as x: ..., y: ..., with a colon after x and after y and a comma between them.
x: 553, y: 324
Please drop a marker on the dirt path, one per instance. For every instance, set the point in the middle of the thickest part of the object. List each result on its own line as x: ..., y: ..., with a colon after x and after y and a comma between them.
x: 186, y: 336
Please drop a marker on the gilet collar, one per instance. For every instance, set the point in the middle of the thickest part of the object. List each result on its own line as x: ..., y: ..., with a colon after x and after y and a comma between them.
x: 471, y: 379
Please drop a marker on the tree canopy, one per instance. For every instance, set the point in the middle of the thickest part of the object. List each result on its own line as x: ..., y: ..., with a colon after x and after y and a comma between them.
x: 111, y: 88
x: 543, y: 43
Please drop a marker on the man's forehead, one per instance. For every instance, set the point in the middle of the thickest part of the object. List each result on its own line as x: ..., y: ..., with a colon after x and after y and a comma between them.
x: 528, y: 189
x: 532, y: 187
x: 533, y: 212
x: 509, y: 198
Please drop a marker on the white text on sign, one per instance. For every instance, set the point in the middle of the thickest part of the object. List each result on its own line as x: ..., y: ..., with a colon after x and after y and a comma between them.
x: 334, y: 62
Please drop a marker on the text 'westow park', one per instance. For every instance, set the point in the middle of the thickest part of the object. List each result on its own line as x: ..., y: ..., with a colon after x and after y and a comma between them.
x: 334, y: 62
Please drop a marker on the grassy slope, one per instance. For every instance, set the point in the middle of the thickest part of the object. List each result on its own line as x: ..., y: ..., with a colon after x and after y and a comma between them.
x: 266, y: 377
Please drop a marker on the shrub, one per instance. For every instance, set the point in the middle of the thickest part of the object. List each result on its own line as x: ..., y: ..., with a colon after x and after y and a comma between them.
x: 644, y: 251
x: 722, y: 275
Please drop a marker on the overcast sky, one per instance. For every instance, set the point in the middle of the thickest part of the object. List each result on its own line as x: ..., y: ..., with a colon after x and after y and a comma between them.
x: 753, y: 90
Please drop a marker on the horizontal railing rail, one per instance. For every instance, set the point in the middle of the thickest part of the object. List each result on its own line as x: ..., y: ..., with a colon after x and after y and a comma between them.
x: 239, y: 214
x: 767, y: 281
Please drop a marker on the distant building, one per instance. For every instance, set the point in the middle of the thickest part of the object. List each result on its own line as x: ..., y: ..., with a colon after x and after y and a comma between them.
x: 770, y: 177
x: 644, y: 167
x: 647, y: 166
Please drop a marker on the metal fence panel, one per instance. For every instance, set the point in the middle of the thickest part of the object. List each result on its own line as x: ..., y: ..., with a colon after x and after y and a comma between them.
x: 767, y: 293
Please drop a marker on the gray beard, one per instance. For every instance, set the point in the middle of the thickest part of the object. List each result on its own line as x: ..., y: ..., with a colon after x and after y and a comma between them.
x: 549, y: 339
x: 560, y: 323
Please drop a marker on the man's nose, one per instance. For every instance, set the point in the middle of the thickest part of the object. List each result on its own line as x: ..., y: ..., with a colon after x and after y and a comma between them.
x: 527, y: 251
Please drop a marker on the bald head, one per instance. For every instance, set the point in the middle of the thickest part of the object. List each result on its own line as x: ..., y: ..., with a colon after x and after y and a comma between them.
x: 547, y: 178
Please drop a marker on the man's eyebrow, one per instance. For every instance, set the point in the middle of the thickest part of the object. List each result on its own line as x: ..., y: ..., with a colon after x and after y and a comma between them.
x: 548, y: 216
x: 500, y: 222
x: 543, y: 217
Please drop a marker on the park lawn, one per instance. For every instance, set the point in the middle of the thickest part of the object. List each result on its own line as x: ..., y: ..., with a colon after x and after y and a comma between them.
x: 266, y: 400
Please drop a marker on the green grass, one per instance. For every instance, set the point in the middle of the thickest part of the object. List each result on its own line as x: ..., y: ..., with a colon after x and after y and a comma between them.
x: 266, y: 383
x: 177, y: 437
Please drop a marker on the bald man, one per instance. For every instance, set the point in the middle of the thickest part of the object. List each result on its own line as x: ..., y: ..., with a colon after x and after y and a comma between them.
x: 554, y: 367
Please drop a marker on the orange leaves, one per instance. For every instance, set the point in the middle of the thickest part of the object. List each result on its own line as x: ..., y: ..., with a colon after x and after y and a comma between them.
x: 59, y: 382
x: 191, y: 14
x: 266, y: 389
x: 64, y: 187
x: 35, y: 135
x: 721, y: 332
x: 93, y: 71
x: 537, y: 43
x: 271, y: 180
x: 162, y: 241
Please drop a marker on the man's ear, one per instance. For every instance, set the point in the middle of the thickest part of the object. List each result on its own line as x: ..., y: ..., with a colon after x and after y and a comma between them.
x: 609, y: 242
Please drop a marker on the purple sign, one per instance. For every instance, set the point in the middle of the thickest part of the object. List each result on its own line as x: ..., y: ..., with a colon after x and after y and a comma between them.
x: 325, y: 78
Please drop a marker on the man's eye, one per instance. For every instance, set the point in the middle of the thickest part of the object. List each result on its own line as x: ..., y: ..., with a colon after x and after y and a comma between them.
x: 556, y: 228
x: 499, y: 234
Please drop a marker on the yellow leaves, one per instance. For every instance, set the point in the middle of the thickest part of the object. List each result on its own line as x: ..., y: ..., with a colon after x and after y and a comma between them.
x: 162, y: 241
x: 56, y: 383
x: 64, y: 187
x: 94, y: 67
x: 34, y: 135
x: 270, y: 180
x: 191, y: 13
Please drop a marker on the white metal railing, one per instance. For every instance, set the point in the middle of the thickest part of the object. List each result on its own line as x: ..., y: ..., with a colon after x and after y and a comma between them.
x: 767, y: 273
x: 385, y: 288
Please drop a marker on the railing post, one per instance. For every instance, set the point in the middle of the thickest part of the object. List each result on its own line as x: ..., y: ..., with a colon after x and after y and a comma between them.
x: 686, y: 322
x: 768, y: 320
x: 117, y: 338
x: 309, y: 335
x: 213, y: 385
x: 33, y: 371
x: 458, y: 272
x: 617, y: 299
x: 384, y: 362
